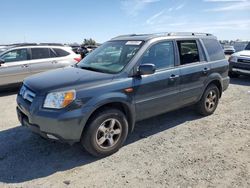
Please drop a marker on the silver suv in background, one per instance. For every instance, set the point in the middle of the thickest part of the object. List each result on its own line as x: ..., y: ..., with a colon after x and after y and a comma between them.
x: 239, y: 63
x: 19, y: 62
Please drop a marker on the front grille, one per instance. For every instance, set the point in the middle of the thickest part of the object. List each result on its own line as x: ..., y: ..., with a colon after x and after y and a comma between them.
x: 27, y: 94
x: 244, y: 60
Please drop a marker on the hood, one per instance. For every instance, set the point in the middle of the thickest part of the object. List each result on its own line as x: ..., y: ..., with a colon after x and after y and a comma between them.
x: 64, y: 77
x: 243, y: 53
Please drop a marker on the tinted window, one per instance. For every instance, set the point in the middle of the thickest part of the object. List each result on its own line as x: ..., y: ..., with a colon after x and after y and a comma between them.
x: 60, y: 53
x: 214, y: 49
x: 52, y: 53
x: 161, y: 54
x: 15, y: 55
x: 248, y: 46
x: 40, y: 53
x: 188, y: 51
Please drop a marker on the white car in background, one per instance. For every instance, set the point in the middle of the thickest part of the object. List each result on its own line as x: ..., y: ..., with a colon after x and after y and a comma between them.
x: 239, y: 63
x: 19, y: 62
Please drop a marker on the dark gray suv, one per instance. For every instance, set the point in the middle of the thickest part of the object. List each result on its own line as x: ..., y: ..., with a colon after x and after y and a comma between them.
x: 127, y: 79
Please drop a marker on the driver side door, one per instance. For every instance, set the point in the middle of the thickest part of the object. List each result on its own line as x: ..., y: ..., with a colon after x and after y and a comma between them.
x: 15, y: 67
x: 159, y: 92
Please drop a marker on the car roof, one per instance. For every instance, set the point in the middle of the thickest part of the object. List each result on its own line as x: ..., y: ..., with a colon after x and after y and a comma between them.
x: 173, y: 35
x: 40, y: 46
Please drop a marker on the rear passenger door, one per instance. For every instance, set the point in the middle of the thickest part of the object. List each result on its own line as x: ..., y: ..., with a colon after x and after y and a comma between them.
x: 193, y: 70
x: 42, y: 59
x: 159, y: 92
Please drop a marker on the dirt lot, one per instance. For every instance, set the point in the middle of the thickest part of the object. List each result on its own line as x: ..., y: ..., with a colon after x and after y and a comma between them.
x: 178, y: 149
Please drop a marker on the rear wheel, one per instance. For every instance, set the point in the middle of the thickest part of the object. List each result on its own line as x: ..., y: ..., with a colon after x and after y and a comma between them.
x: 106, y: 133
x: 209, y: 101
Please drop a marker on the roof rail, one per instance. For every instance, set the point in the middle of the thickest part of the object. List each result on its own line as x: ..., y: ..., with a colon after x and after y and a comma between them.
x: 23, y: 44
x: 168, y: 34
x: 51, y: 44
x: 188, y: 34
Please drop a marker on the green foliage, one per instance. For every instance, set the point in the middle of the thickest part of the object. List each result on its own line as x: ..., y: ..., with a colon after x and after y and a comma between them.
x: 89, y: 41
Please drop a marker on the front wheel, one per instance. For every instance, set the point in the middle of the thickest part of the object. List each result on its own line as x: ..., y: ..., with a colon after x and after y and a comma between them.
x: 209, y: 101
x: 106, y: 133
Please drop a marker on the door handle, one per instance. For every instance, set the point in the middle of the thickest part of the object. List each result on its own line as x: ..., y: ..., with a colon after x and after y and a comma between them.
x: 24, y: 66
x: 173, y: 77
x: 205, y: 70
x: 54, y: 62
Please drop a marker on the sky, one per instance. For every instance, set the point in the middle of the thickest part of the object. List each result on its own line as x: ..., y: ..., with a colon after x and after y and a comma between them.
x: 67, y: 21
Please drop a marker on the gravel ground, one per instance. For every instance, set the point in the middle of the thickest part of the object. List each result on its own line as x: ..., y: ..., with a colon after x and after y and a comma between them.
x: 177, y: 149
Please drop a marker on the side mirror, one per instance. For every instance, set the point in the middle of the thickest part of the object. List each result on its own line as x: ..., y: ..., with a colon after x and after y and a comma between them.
x: 1, y: 62
x: 146, y: 69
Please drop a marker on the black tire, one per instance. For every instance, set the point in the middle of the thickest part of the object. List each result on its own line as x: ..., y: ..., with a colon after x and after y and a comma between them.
x: 233, y: 75
x: 209, y: 100
x: 99, y: 129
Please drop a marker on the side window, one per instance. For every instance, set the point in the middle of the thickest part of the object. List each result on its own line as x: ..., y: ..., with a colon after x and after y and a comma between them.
x: 60, y: 52
x: 188, y: 51
x: 40, y: 53
x: 248, y: 46
x: 15, y: 55
x: 214, y: 49
x: 160, y: 54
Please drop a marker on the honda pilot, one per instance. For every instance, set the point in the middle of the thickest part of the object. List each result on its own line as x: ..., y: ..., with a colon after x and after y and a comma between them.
x: 127, y: 79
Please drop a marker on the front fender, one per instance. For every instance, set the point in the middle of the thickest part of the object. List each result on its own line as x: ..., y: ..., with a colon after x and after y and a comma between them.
x: 105, y: 99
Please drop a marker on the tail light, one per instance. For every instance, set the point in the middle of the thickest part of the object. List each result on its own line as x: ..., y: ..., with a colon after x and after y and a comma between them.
x: 77, y: 59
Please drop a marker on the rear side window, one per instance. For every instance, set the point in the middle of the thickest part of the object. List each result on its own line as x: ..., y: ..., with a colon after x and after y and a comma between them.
x: 40, y: 53
x: 60, y: 52
x: 160, y: 54
x: 214, y: 49
x: 188, y: 51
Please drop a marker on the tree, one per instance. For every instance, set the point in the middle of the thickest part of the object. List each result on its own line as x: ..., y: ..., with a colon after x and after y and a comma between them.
x: 89, y: 41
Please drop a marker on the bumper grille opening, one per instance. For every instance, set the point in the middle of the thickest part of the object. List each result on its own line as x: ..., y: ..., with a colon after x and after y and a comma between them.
x: 27, y: 94
x: 244, y: 61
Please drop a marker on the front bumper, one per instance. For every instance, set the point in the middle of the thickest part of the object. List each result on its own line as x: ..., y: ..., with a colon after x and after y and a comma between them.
x: 64, y: 125
x: 239, y: 68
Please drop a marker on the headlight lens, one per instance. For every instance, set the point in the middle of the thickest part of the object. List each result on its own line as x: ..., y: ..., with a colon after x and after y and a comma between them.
x: 233, y: 59
x: 58, y: 100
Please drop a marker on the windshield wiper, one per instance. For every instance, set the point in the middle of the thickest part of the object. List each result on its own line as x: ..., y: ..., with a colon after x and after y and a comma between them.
x: 92, y: 69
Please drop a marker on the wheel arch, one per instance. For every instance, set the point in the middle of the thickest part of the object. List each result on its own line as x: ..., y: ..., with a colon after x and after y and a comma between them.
x: 215, y: 79
x: 118, y: 104
x: 218, y: 85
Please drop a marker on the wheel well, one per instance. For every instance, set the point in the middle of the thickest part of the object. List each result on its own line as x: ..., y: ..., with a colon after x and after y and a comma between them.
x: 218, y: 84
x: 117, y: 105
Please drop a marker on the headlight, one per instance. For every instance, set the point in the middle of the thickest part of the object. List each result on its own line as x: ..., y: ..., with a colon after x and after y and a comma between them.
x: 58, y: 100
x: 233, y: 59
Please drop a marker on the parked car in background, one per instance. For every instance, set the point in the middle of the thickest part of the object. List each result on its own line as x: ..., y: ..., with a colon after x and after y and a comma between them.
x: 4, y: 48
x: 239, y: 63
x: 228, y: 50
x: 75, y: 48
x: 21, y: 61
x: 127, y: 79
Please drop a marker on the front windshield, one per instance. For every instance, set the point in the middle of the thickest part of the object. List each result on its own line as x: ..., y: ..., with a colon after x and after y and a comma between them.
x: 248, y: 46
x: 111, y: 57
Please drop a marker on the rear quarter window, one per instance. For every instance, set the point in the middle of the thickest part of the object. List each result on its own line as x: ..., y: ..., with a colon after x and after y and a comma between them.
x: 60, y: 52
x: 248, y: 46
x: 214, y: 49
